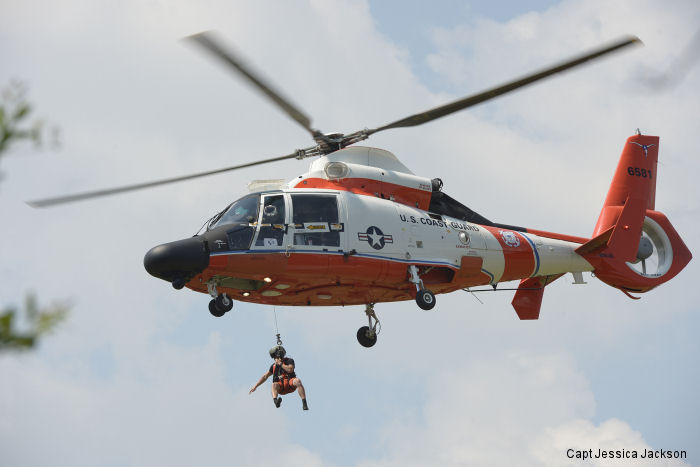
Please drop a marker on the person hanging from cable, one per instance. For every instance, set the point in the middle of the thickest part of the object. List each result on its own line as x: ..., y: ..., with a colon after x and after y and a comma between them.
x: 284, y: 379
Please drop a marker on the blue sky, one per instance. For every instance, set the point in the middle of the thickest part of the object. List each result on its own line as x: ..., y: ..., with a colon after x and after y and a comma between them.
x: 143, y: 375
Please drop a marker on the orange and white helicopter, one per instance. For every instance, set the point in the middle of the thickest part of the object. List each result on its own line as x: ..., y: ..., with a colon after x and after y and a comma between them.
x: 359, y: 228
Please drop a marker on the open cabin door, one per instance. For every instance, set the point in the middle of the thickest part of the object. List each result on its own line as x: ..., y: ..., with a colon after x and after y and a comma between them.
x: 316, y: 230
x: 272, y: 228
x: 316, y: 222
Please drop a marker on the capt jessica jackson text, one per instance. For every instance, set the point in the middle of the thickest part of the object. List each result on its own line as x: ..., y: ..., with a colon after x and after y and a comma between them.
x: 624, y: 454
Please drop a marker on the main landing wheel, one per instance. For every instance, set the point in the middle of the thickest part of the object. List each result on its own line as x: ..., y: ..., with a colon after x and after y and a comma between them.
x: 366, y: 337
x: 224, y: 302
x: 425, y: 299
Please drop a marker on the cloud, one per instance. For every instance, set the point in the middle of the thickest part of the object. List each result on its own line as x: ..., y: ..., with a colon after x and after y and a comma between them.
x: 519, y: 408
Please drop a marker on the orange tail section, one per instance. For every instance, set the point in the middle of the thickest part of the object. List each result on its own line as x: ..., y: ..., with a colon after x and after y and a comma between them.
x: 634, y: 247
x: 635, y: 177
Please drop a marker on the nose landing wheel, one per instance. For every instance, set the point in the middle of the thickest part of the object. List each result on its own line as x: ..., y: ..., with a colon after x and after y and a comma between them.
x: 220, y: 303
x: 367, y: 335
x: 214, y: 310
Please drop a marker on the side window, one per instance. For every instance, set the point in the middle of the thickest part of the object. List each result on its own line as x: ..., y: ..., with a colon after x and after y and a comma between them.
x: 272, y: 222
x: 315, y: 219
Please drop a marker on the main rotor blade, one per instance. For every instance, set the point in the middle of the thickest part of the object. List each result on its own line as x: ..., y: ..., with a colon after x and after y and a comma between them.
x: 43, y: 203
x: 433, y: 114
x: 207, y: 41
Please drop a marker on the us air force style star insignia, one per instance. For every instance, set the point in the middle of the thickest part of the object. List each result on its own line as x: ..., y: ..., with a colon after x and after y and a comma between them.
x: 375, y: 237
x: 509, y: 238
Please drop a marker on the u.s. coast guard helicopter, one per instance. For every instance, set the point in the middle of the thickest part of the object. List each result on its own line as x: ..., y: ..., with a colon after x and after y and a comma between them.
x: 359, y: 228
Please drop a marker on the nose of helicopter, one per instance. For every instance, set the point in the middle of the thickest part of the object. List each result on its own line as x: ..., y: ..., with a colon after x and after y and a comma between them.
x: 177, y: 261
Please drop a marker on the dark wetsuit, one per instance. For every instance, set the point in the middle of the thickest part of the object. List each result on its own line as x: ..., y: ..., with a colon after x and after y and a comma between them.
x: 277, y: 370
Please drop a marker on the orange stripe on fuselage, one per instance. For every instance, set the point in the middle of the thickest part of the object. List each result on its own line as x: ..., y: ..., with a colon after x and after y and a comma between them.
x: 366, y: 186
x: 518, y: 254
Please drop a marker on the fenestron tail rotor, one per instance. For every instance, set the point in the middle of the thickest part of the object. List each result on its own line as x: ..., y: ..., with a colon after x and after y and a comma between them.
x: 655, y: 253
x: 327, y: 143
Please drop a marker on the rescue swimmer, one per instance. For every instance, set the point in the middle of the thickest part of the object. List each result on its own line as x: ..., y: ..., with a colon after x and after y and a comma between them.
x: 284, y: 379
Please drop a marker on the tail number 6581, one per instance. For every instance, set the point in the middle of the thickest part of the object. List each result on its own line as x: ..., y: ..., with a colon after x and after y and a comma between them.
x: 637, y: 172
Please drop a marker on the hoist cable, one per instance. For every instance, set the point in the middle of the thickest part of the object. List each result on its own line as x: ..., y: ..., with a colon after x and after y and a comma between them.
x: 279, y: 340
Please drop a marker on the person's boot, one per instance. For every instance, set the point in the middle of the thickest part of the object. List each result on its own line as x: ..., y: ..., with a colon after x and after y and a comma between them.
x: 303, y: 404
x: 277, y: 401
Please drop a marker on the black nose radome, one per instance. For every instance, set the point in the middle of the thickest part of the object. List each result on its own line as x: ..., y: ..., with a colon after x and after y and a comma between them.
x: 177, y: 261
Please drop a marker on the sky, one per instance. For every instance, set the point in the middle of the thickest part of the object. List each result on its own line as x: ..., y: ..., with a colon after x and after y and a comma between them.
x: 142, y: 374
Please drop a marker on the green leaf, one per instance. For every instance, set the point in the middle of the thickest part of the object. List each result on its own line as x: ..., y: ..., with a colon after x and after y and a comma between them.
x: 38, y: 322
x: 22, y: 111
x: 6, y: 321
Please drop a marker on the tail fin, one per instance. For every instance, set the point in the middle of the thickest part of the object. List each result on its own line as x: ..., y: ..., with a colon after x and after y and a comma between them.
x: 635, y: 178
x: 630, y: 231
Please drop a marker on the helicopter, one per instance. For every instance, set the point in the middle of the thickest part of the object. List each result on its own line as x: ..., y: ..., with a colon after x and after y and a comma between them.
x: 359, y: 228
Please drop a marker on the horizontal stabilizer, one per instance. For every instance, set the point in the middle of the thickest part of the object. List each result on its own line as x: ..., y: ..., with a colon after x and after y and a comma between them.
x: 620, y: 241
x: 624, y: 241
x: 596, y: 243
x: 528, y: 299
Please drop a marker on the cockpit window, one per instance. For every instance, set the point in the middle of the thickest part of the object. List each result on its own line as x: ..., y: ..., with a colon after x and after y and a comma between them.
x: 243, y: 211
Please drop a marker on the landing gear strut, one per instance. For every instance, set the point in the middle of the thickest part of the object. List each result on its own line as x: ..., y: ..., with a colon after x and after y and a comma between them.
x: 220, y: 303
x: 367, y: 335
x: 424, y: 297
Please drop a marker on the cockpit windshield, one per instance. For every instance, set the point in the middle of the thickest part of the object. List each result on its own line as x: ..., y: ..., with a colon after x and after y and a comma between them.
x: 243, y: 211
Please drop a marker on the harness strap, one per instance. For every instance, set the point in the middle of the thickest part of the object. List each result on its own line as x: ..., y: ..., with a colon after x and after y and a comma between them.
x: 282, y: 375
